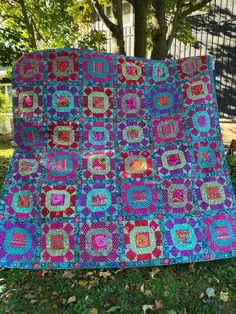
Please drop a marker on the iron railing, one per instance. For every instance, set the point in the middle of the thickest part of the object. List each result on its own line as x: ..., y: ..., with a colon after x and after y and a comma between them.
x: 215, y: 34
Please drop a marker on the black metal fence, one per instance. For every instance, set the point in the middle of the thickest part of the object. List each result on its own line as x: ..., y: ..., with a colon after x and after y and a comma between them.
x: 215, y: 34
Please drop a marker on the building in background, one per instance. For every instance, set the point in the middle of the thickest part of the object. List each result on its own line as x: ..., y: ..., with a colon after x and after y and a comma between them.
x: 6, y: 117
x: 128, y: 26
x: 5, y: 83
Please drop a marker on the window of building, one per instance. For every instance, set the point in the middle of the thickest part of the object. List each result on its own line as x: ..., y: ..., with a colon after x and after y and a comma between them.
x: 127, y: 14
x: 127, y: 10
x: 6, y: 89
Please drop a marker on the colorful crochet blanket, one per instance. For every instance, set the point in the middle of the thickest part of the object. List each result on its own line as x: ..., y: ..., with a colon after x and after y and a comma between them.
x: 119, y: 163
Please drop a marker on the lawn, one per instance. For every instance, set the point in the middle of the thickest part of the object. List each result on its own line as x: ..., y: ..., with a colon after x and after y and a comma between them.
x: 189, y: 288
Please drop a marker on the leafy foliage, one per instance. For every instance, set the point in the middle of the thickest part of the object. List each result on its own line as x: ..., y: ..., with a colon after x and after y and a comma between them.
x: 231, y: 160
x: 5, y: 105
x: 94, y: 40
x: 184, y: 33
x: 41, y: 24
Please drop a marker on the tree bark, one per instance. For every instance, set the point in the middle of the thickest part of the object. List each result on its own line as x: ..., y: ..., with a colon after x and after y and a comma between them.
x: 29, y: 26
x: 140, y: 27
x: 159, y: 28
x: 118, y: 37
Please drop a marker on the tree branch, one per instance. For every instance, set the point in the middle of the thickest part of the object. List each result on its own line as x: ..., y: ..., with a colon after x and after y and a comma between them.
x: 100, y: 12
x: 28, y: 25
x: 40, y: 36
x: 195, y: 7
x: 159, y: 47
x: 117, y: 13
x: 159, y: 16
x: 116, y: 28
x: 12, y: 17
x: 174, y: 22
x: 179, y: 14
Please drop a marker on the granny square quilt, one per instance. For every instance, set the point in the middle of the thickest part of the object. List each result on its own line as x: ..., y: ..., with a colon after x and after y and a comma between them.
x: 119, y: 163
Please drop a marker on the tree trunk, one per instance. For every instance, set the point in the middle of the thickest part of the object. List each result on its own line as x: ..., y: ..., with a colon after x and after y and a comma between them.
x: 160, y: 49
x: 140, y: 27
x: 118, y: 43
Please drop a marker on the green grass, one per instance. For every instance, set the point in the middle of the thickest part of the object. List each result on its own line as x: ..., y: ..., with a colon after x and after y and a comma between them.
x: 171, y: 289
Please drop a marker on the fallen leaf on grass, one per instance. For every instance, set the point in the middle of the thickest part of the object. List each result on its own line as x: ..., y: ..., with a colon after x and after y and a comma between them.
x: 68, y: 275
x: 224, y: 296
x: 94, y: 311
x: 210, y: 292
x: 32, y: 293
x: 83, y: 283
x: 118, y: 270
x: 148, y: 293
x: 216, y: 279
x: 142, y: 289
x: 104, y: 274
x: 158, y: 305
x: 113, y: 309
x: 7, y: 295
x: 201, y: 295
x: 174, y: 274
x: 154, y: 307
x: 154, y: 272
x: 146, y: 307
x: 2, y: 288
x: 71, y: 299
x: 191, y: 267
x: 42, y: 273
x: 56, y: 296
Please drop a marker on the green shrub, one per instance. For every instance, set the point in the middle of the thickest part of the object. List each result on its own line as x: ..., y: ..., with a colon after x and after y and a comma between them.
x: 232, y: 167
x: 5, y: 106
